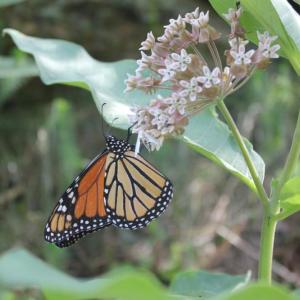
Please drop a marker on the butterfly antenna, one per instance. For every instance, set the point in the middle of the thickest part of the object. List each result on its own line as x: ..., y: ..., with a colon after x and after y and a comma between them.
x: 102, y: 123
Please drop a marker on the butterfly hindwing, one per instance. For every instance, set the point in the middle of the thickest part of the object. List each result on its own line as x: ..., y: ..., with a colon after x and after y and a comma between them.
x: 81, y: 208
x: 135, y: 192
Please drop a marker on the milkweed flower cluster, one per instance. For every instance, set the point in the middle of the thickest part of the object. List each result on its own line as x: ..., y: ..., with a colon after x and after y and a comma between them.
x: 173, y: 67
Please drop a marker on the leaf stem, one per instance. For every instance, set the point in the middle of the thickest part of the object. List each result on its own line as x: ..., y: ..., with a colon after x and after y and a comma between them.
x: 292, y: 158
x: 287, y: 172
x: 259, y: 186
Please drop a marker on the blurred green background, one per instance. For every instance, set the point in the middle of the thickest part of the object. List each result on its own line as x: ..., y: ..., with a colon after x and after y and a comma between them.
x: 48, y: 134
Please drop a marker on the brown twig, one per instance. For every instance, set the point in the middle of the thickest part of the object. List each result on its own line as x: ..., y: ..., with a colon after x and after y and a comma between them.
x: 235, y: 240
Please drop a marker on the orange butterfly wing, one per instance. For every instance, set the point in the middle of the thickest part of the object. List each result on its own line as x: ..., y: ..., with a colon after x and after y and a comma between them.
x: 81, y: 208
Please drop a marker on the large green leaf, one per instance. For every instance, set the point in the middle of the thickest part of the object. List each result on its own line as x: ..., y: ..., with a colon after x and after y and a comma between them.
x: 258, y: 291
x: 290, y: 198
x: 206, y: 284
x: 275, y: 16
x: 211, y: 137
x: 21, y: 270
x: 64, y: 62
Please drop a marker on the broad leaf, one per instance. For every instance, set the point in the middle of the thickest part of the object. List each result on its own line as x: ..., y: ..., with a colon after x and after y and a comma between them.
x: 206, y: 284
x: 290, y: 198
x: 64, y: 62
x: 258, y: 291
x: 211, y: 137
x: 21, y: 270
x: 274, y: 16
x: 290, y: 19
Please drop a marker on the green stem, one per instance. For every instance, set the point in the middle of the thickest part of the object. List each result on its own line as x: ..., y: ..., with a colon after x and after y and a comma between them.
x: 259, y: 186
x: 266, y: 247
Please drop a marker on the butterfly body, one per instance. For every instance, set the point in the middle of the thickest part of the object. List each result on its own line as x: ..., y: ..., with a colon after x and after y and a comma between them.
x: 117, y: 188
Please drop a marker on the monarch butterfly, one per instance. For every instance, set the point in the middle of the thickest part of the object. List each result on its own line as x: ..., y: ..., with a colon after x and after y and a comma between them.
x: 118, y: 187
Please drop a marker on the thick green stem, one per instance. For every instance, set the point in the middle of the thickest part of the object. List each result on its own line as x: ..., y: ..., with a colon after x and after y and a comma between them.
x: 259, y: 186
x: 266, y: 247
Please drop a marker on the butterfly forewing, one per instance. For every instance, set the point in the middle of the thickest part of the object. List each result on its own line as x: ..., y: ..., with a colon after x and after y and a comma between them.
x: 135, y: 192
x: 118, y: 187
x: 81, y: 208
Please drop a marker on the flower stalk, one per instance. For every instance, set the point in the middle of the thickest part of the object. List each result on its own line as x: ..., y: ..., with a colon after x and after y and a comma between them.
x: 258, y: 184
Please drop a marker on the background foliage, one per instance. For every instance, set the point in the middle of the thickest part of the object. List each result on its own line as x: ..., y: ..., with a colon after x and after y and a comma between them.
x: 48, y: 133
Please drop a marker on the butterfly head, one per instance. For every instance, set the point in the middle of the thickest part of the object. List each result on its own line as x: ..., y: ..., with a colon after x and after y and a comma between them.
x: 116, y: 146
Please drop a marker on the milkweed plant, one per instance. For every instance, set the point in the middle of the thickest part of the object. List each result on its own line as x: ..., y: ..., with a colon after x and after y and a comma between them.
x: 186, y: 74
x: 174, y: 62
